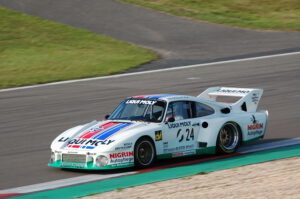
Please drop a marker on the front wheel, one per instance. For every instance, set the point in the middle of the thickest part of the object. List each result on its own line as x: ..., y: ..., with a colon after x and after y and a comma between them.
x: 144, y: 152
x: 229, y: 138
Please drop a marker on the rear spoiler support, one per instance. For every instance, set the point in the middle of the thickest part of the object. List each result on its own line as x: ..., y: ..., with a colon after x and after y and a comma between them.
x: 249, y: 97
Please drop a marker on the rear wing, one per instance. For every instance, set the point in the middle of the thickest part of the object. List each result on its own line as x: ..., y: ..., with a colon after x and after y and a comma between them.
x: 248, y: 97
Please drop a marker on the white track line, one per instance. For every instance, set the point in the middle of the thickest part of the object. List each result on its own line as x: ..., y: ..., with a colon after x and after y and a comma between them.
x: 150, y: 71
x: 62, y: 183
x: 89, y: 178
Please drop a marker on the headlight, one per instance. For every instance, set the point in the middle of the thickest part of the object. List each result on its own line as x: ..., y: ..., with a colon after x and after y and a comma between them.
x: 101, y: 161
x: 52, y: 157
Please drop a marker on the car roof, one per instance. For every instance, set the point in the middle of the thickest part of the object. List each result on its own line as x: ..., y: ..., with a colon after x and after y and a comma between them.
x: 167, y: 97
x: 175, y: 97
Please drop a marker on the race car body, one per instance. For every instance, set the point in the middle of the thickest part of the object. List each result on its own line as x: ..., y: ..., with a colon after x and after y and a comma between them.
x: 146, y: 128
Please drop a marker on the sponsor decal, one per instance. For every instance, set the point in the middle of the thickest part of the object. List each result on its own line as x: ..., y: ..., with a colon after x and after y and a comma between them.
x: 96, y: 136
x: 96, y: 129
x: 257, y: 132
x: 124, y: 147
x: 186, y: 135
x: 63, y: 139
x: 179, y: 124
x: 91, y: 142
x: 142, y: 101
x: 233, y: 91
x: 179, y: 149
x: 255, y: 128
x: 255, y: 98
x: 165, y: 144
x: 121, y: 155
x: 121, y: 158
x: 123, y: 164
x: 158, y: 135
x: 73, y: 164
x: 183, y: 153
x: 189, y: 147
x: 87, y: 143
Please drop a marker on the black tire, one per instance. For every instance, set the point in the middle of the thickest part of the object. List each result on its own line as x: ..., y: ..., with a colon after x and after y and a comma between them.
x: 144, y: 153
x: 229, y: 138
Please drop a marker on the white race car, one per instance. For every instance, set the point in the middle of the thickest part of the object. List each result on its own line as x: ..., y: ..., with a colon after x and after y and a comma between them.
x: 146, y: 128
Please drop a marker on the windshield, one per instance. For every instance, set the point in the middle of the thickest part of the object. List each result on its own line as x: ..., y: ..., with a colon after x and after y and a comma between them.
x: 139, y: 110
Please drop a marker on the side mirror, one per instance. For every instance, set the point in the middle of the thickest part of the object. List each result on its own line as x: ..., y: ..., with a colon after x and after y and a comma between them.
x: 106, y: 116
x: 171, y: 119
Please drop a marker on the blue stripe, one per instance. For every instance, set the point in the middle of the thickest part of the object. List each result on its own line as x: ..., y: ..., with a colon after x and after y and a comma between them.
x: 111, y: 131
x: 107, y: 130
x: 87, y: 147
x: 159, y: 96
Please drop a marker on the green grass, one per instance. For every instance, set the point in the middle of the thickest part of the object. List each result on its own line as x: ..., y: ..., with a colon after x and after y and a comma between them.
x: 34, y: 51
x: 255, y: 14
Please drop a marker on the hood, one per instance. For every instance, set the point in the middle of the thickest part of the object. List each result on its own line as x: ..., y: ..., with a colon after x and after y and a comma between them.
x: 92, y: 135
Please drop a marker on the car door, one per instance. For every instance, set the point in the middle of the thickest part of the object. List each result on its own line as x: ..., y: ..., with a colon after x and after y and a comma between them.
x: 180, y: 135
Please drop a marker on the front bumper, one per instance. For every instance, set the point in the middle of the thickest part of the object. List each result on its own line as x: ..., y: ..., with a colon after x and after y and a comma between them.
x: 90, y: 161
x: 87, y: 166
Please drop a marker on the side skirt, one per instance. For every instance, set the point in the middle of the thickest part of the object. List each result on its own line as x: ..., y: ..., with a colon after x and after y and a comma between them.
x: 252, y: 140
x: 201, y: 151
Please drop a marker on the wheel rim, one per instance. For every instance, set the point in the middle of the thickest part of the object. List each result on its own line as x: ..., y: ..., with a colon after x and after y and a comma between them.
x: 229, y: 137
x: 145, y: 153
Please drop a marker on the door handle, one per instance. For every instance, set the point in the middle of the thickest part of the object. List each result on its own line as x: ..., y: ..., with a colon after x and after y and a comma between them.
x: 196, y: 124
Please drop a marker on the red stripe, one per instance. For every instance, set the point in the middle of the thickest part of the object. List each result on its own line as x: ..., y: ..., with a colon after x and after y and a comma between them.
x: 9, y: 194
x: 87, y: 133
x: 74, y: 146
x: 105, y: 126
x: 140, y: 96
x: 120, y: 131
x: 188, y: 162
x: 144, y: 96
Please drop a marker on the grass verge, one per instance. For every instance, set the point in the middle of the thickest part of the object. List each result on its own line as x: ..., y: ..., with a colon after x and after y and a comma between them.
x: 33, y: 51
x: 264, y: 14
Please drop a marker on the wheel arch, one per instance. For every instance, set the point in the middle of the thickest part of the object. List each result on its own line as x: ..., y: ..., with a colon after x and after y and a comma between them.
x: 149, y: 138
x: 220, y: 149
x: 137, y: 161
x: 238, y: 127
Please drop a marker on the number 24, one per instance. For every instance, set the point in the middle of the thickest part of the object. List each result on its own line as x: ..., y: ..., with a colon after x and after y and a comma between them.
x: 190, y: 135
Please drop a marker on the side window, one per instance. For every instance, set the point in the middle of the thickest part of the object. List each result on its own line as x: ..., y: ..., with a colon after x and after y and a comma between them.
x: 179, y: 110
x: 202, y: 110
x: 156, y: 112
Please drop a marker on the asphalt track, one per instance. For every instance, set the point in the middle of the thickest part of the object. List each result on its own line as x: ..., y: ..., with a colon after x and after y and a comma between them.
x: 31, y: 118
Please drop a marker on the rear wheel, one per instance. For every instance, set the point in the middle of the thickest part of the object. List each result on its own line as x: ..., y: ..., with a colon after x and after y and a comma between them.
x: 144, y: 152
x: 229, y: 138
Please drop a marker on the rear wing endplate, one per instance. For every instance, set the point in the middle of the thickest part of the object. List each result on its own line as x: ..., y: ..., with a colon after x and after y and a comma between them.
x: 249, y: 97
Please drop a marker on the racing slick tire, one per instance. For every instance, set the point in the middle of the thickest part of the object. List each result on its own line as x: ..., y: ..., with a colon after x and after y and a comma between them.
x: 229, y: 138
x: 144, y: 153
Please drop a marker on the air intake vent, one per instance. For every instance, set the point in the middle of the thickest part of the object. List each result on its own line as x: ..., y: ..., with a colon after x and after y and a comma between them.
x: 244, y: 107
x: 74, y: 158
